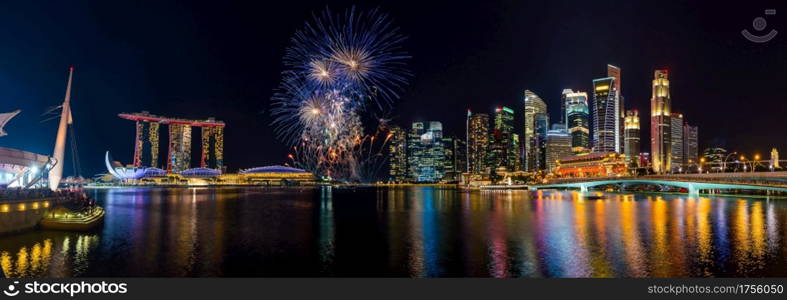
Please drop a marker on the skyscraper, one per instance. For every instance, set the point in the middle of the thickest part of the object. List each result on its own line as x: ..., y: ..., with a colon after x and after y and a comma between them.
x: 425, y: 153
x: 503, y: 152
x: 564, y: 98
x: 606, y: 116
x: 614, y: 72
x: 477, y: 142
x: 660, y: 132
x: 455, y: 162
x: 631, y: 144
x: 578, y: 121
x: 676, y: 136
x: 541, y: 123
x: 558, y: 145
x: 397, y: 154
x: 533, y: 105
x: 690, y: 145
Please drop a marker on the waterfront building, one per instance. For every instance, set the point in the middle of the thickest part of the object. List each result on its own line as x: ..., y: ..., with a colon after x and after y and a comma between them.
x: 533, y: 105
x: 774, y: 159
x: 146, y: 141
x: 660, y: 131
x: 477, y: 142
x: 503, y: 150
x: 615, y: 72
x: 598, y: 164
x: 397, y: 154
x: 631, y: 144
x: 541, y: 123
x: 558, y: 145
x: 690, y: 145
x: 676, y: 137
x: 425, y: 153
x: 606, y: 116
x: 578, y: 120
x: 455, y: 162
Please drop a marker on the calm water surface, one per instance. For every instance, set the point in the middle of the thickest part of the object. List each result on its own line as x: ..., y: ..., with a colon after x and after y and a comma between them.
x: 409, y: 232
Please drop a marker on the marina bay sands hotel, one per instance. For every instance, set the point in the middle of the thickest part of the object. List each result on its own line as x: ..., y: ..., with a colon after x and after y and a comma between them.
x: 146, y: 141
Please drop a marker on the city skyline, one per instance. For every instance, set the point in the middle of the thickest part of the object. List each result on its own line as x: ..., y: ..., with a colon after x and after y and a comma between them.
x: 123, y: 68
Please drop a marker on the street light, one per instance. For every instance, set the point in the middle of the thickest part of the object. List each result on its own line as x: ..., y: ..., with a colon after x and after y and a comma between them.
x: 724, y: 163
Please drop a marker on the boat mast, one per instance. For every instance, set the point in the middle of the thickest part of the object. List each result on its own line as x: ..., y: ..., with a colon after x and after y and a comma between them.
x: 56, y: 172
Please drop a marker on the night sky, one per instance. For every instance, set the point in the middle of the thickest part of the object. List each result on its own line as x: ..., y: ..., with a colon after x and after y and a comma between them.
x: 200, y: 59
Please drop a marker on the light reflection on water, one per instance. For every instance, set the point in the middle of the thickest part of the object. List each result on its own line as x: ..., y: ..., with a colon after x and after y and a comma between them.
x: 413, y: 231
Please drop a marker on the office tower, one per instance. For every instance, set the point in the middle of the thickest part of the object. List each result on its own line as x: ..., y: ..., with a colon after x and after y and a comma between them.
x: 631, y: 143
x: 533, y: 105
x: 690, y: 145
x: 558, y: 145
x: 676, y: 136
x: 425, y: 153
x: 660, y: 132
x: 397, y: 154
x: 774, y: 159
x: 514, y: 153
x: 614, y: 72
x: 578, y: 121
x: 564, y: 99
x: 606, y: 117
x: 503, y: 152
x: 455, y: 162
x: 477, y: 142
x: 541, y: 122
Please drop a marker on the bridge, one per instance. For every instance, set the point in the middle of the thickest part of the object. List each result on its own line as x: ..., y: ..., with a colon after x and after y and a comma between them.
x: 693, y: 183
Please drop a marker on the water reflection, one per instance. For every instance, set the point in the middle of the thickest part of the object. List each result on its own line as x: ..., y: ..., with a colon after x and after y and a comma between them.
x: 414, y: 231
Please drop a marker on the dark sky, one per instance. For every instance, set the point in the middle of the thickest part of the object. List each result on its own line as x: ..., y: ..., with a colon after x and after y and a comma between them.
x: 223, y: 59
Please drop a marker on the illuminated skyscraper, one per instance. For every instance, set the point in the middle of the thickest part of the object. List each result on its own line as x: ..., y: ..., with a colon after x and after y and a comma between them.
x: 690, y: 145
x: 477, y: 142
x: 578, y: 121
x: 564, y: 98
x: 425, y: 153
x: 614, y: 72
x: 606, y: 116
x: 660, y: 132
x: 533, y: 105
x: 397, y: 158
x: 631, y: 142
x: 676, y: 136
x: 503, y: 151
x: 541, y: 123
x: 558, y: 145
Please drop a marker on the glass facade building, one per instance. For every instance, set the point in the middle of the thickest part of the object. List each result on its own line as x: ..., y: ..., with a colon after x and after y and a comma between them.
x: 676, y: 136
x: 425, y: 152
x: 397, y: 154
x: 558, y: 145
x: 533, y: 105
x: 578, y: 120
x: 606, y: 116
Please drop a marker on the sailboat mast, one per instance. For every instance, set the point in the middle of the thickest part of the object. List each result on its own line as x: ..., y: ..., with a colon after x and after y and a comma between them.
x: 56, y: 173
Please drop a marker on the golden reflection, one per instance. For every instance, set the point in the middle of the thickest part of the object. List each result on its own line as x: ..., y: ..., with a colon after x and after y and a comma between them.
x: 740, y: 228
x: 631, y: 240
x: 660, y: 249
x: 758, y: 234
x: 601, y: 266
x: 42, y: 259
x: 704, y: 236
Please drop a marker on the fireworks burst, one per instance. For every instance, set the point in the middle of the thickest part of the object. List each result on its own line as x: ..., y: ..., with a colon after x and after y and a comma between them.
x: 337, y: 65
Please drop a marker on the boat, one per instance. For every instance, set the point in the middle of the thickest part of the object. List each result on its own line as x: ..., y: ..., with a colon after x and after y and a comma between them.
x: 62, y: 218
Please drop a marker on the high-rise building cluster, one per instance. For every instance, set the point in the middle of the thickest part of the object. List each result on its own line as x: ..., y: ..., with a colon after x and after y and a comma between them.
x: 599, y: 125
